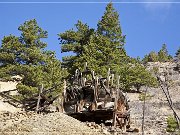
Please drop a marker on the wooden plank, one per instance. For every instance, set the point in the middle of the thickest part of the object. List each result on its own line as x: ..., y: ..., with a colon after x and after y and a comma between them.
x: 115, y: 104
x: 95, y: 92
x: 114, y: 113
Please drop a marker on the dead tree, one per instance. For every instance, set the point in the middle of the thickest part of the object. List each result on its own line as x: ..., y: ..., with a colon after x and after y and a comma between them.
x: 165, y: 87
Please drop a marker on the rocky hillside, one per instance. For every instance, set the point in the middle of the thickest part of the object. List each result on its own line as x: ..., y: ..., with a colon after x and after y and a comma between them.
x: 46, y: 124
x: 157, y: 109
x: 169, y: 68
x: 156, y: 113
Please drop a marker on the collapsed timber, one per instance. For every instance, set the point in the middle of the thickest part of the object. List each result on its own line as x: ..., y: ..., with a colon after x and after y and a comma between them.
x: 37, y: 102
x: 96, y: 99
x: 86, y: 97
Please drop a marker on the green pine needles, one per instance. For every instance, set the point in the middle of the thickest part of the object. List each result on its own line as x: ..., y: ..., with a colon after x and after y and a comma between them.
x: 103, y: 48
x: 26, y: 56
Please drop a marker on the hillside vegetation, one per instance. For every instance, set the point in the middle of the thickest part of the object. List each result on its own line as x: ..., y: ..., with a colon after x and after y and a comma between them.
x: 103, y: 48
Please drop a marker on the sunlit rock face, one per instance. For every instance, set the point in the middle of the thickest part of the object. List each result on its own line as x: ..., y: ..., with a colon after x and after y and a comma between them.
x: 169, y: 69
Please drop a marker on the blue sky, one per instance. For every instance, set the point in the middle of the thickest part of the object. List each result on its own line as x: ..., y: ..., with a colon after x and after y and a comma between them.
x: 146, y: 25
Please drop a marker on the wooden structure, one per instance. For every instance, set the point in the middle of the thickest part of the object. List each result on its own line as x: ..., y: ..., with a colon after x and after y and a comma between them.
x: 92, y: 98
x: 38, y: 102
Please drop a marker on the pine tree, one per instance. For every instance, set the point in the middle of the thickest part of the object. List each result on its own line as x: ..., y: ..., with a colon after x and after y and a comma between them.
x: 26, y: 56
x: 163, y: 54
x: 134, y: 75
x: 177, y: 56
x: 103, y: 49
x: 141, y: 77
x: 151, y: 57
x: 109, y: 26
x: 106, y: 47
x: 110, y: 41
x: 177, y: 60
x: 75, y: 41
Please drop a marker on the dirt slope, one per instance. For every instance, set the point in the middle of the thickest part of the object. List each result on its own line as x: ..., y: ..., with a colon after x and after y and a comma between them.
x: 49, y: 124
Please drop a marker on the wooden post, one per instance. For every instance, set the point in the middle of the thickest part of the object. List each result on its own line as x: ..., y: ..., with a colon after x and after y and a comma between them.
x: 112, y: 80
x: 95, y: 92
x: 81, y: 79
x: 93, y: 75
x: 114, y: 113
x: 108, y: 74
x: 118, y: 79
x: 85, y: 66
x: 115, y: 104
x: 39, y: 97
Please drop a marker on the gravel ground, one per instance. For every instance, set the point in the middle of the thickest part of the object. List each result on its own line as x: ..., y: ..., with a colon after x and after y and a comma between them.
x: 156, y: 113
x: 49, y: 124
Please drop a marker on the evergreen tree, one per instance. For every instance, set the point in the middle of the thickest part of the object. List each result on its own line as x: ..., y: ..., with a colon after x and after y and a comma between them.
x: 134, y: 74
x: 177, y: 56
x: 177, y: 60
x: 26, y: 56
x: 163, y: 55
x: 75, y: 41
x: 102, y: 49
x: 109, y: 27
x: 106, y: 47
x: 141, y: 77
x: 153, y: 57
x: 110, y: 41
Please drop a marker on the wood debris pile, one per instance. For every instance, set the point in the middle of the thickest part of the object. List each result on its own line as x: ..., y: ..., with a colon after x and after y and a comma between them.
x: 38, y: 102
x: 93, y: 98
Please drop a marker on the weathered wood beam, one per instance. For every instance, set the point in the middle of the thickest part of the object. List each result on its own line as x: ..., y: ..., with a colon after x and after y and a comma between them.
x: 108, y: 74
x: 10, y: 97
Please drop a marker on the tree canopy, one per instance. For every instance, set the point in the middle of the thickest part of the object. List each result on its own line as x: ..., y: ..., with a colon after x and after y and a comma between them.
x: 26, y: 56
x: 101, y: 49
x: 161, y: 56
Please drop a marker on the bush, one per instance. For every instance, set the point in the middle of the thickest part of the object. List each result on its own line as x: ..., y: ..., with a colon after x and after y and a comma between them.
x: 144, y: 96
x: 172, y: 124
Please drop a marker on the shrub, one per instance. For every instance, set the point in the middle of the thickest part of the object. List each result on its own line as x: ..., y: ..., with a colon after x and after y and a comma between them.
x: 171, y: 124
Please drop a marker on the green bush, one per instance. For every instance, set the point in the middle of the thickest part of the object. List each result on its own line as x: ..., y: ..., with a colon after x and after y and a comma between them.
x: 172, y: 124
x: 144, y: 96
